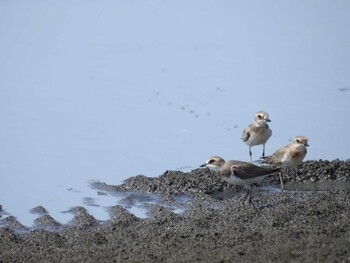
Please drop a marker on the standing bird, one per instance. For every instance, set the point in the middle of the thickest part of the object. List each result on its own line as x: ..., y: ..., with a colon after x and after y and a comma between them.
x: 290, y: 155
x: 239, y: 173
x: 257, y: 132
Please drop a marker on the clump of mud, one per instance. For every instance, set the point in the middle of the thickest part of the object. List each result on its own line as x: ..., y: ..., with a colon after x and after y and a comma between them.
x: 171, y: 182
x: 208, y: 182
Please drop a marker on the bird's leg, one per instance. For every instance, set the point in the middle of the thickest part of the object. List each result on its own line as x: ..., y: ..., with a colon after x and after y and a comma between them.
x: 250, y: 201
x: 250, y: 154
x: 281, y: 180
x: 263, y: 155
x: 248, y: 194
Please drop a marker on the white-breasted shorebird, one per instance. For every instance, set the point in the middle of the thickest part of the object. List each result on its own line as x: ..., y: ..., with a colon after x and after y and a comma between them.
x: 258, y: 132
x: 239, y: 173
x: 290, y: 155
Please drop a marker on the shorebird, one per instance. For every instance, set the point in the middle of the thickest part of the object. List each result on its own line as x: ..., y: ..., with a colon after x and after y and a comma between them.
x: 239, y: 173
x: 258, y: 132
x: 290, y: 155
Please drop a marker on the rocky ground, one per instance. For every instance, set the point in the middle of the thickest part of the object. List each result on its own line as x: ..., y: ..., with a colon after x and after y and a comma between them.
x: 293, y: 225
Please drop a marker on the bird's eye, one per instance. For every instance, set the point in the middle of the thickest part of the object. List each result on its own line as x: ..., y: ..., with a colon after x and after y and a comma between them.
x: 211, y: 161
x: 259, y: 116
x: 298, y: 141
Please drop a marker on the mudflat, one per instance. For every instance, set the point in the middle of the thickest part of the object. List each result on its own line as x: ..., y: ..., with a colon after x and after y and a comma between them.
x: 300, y: 224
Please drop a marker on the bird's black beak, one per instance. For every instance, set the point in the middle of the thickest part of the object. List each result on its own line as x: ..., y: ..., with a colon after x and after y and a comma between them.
x: 203, y: 165
x: 268, y: 120
x: 306, y: 144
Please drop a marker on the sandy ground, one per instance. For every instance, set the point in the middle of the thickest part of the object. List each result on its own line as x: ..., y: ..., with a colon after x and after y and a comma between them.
x: 288, y: 226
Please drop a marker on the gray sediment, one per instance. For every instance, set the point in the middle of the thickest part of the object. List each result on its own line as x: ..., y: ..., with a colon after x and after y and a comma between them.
x: 298, y: 226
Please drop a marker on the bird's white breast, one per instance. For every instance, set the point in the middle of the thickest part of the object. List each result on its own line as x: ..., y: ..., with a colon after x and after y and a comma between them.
x: 235, y: 180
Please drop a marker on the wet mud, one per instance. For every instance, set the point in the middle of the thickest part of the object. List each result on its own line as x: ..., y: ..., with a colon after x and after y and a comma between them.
x: 215, y: 226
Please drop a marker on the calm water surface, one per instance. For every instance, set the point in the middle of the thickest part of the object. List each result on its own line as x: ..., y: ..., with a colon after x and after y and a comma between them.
x: 110, y: 89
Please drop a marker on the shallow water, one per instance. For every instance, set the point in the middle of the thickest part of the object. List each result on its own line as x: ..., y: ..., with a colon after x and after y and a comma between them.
x: 107, y: 90
x: 139, y: 203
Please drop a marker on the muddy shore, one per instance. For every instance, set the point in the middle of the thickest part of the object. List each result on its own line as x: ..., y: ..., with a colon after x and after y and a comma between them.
x: 288, y: 226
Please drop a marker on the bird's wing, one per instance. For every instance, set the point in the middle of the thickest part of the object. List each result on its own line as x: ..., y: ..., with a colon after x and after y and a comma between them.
x: 246, y: 134
x: 247, y: 170
x: 277, y: 157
